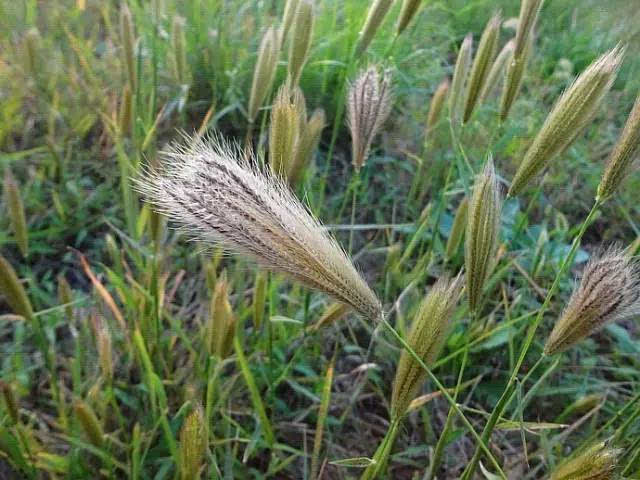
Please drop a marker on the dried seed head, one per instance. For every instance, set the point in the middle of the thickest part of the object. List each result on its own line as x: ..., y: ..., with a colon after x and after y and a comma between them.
x: 305, y: 146
x: 409, y: 9
x: 287, y: 115
x: 15, y: 209
x: 192, y: 445
x: 529, y: 10
x: 460, y: 74
x: 375, y: 16
x: 368, y: 106
x: 220, y: 195
x: 128, y: 41
x: 10, y: 401
x: 428, y: 333
x: 513, y: 79
x: 13, y: 291
x: 264, y: 72
x: 332, y: 314
x: 482, y: 63
x: 259, y: 298
x: 481, y: 237
x: 221, y: 327
x: 497, y: 71
x: 287, y: 19
x: 457, y: 230
x: 89, y: 422
x: 622, y: 158
x: 571, y: 113
x: 609, y: 291
x: 302, y: 32
x: 596, y: 463
x: 435, y: 107
x: 179, y: 50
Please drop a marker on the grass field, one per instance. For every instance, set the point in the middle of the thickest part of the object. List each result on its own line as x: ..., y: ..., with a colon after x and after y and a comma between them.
x: 244, y: 344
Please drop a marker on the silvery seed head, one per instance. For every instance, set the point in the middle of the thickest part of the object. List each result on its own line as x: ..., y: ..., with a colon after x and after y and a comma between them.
x: 596, y: 463
x: 219, y: 195
x: 609, y: 291
x: 368, y: 106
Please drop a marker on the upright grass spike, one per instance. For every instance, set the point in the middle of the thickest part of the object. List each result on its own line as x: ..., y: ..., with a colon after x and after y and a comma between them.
x: 13, y: 291
x: 460, y: 74
x: 497, y: 71
x: 10, y: 401
x: 377, y: 11
x: 128, y: 44
x: 529, y: 10
x: 609, y: 291
x: 219, y: 195
x: 514, y: 75
x: 221, y: 327
x: 193, y: 442
x: 287, y: 119
x: 306, y: 145
x: 572, y: 112
x: 15, y: 212
x: 457, y: 229
x: 179, y: 49
x: 287, y: 19
x: 408, y: 11
x: 89, y: 422
x: 301, y: 35
x: 435, y: 107
x: 264, y: 72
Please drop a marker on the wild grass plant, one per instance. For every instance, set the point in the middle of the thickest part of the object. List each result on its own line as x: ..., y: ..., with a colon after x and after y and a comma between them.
x: 185, y: 292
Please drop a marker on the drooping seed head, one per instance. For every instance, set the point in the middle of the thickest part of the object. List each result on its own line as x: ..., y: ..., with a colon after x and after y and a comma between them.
x: 529, y: 10
x: 219, y: 194
x: 428, y: 333
x: 15, y: 210
x: 457, y: 230
x: 571, y: 113
x: 609, y: 291
x: 408, y: 11
x: 305, y: 146
x: 222, y: 322
x: 516, y: 67
x: 460, y: 74
x: 482, y: 63
x: 193, y: 442
x: 624, y: 154
x: 497, y: 71
x: 13, y: 291
x: 596, y: 463
x: 481, y: 236
x: 377, y: 11
x: 368, y: 106
x: 301, y: 34
x: 287, y: 115
x: 435, y: 107
x: 128, y: 44
x: 264, y: 72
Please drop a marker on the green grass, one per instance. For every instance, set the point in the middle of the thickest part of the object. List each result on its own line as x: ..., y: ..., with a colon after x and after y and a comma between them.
x: 60, y: 103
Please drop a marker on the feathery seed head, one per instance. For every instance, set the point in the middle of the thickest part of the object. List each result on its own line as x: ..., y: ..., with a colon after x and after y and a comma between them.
x: 529, y: 10
x: 13, y: 291
x: 609, y: 291
x: 220, y: 195
x: 513, y: 79
x: 457, y: 230
x: 460, y: 74
x: 264, y: 71
x: 409, y: 9
x: 428, y: 333
x: 302, y: 32
x: 368, y: 106
x: 481, y: 236
x: 305, y: 146
x: 596, y: 463
x: 222, y: 321
x: 192, y: 445
x: 15, y: 209
x: 621, y: 160
x: 128, y: 41
x: 571, y: 113
x: 435, y: 108
x: 497, y: 71
x: 375, y: 16
x: 287, y: 115
x: 482, y: 63
x: 287, y: 19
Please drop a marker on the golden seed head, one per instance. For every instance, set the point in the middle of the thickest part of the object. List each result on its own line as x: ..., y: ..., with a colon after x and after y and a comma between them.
x: 128, y: 41
x: 192, y: 445
x: 460, y: 74
x: 222, y: 321
x: 497, y: 71
x: 623, y: 156
x: 179, y: 50
x: 89, y: 422
x: 301, y: 34
x: 428, y: 333
x: 481, y: 236
x: 609, y: 291
x: 408, y: 11
x: 571, y: 113
x: 13, y: 291
x: 264, y: 72
x: 368, y: 106
x: 259, y: 298
x: 15, y: 209
x: 596, y: 463
x: 516, y: 67
x: 220, y: 195
x: 332, y: 314
x: 435, y: 107
x: 375, y: 16
x: 287, y: 115
x: 529, y: 10
x: 482, y: 63
x: 457, y: 229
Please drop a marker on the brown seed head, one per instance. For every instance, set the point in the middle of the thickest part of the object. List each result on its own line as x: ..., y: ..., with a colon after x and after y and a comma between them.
x: 609, y: 291
x: 368, y: 106
x: 221, y: 196
x: 596, y: 463
x: 460, y: 74
x: 264, y: 72
x: 302, y: 32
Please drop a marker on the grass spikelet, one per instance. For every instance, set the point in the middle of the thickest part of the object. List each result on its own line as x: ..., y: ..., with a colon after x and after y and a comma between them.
x: 408, y: 11
x: 427, y: 336
x: 497, y: 71
x: 264, y: 72
x: 103, y: 344
x: 529, y: 10
x: 609, y: 291
x: 435, y: 107
x: 624, y: 154
x: 482, y: 63
x: 332, y: 314
x: 377, y: 11
x: 457, y: 230
x: 221, y: 327
x: 179, y: 50
x: 301, y: 35
x: 192, y: 445
x: 128, y: 40
x: 259, y: 298
x: 89, y: 423
x: 13, y: 291
x: 287, y: 115
x: 514, y: 74
x: 219, y: 194
x: 305, y: 146
x: 596, y: 463
x: 481, y: 236
x: 287, y: 19
x: 15, y: 210
x: 368, y: 106
x: 571, y: 113
x: 460, y: 74
x: 65, y: 296
x: 10, y: 401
